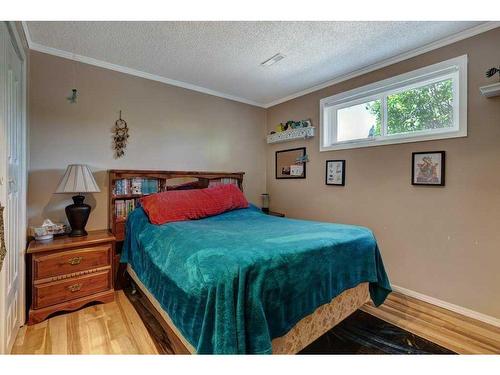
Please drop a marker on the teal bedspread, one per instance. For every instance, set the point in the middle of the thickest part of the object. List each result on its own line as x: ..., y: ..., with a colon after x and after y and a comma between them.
x: 233, y: 282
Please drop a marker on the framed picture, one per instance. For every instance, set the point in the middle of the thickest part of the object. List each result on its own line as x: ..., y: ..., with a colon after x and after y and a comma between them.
x: 428, y: 168
x: 335, y: 172
x: 287, y: 165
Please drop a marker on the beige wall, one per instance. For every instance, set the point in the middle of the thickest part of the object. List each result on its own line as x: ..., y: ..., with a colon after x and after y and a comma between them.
x: 442, y: 242
x: 170, y: 128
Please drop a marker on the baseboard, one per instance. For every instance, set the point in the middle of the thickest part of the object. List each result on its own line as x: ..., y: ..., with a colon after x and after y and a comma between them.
x: 449, y: 306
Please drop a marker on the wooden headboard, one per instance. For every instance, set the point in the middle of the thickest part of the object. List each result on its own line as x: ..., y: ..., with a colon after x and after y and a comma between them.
x: 127, y: 186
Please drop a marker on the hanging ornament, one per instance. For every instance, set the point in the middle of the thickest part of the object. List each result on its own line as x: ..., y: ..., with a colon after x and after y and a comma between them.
x: 72, y: 97
x: 120, y: 137
x: 74, y: 92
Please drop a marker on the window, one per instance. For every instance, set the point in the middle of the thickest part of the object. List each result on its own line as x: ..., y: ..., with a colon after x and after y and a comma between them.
x: 425, y: 104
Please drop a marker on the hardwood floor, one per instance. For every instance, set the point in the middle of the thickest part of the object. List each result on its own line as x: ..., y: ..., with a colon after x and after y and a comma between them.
x: 112, y: 328
x: 453, y: 331
x: 116, y: 328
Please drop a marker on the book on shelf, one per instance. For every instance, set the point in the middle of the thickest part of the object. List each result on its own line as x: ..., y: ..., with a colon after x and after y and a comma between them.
x: 149, y: 186
x: 136, y: 186
x: 123, y: 207
x: 223, y: 181
x: 122, y: 187
x: 120, y: 208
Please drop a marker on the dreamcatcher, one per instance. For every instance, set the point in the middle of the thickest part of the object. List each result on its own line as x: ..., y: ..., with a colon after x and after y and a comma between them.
x: 120, y: 137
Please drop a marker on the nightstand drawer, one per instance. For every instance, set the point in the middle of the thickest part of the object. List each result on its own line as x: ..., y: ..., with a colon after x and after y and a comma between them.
x: 56, y: 292
x: 62, y: 263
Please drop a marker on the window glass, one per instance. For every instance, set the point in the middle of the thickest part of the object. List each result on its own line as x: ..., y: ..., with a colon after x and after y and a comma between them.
x: 358, y: 121
x: 423, y: 108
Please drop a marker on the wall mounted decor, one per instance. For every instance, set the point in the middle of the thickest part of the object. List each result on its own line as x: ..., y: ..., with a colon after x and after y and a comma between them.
x: 494, y: 89
x: 428, y: 168
x: 290, y: 163
x: 302, y: 159
x: 291, y: 134
x: 291, y: 130
x: 490, y: 90
x: 120, y: 137
x: 335, y: 172
x: 73, y: 96
x: 492, y: 71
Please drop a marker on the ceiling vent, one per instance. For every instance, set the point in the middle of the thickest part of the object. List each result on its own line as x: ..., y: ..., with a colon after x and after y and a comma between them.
x: 273, y: 60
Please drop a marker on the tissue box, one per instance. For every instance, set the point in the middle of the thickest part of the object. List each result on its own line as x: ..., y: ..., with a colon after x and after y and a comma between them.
x: 49, y: 229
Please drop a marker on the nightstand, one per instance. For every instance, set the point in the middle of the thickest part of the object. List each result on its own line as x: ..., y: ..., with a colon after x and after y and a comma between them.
x: 70, y: 272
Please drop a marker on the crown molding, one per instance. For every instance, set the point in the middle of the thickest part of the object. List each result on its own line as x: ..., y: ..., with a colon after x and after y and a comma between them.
x: 26, y: 33
x: 382, y: 64
x: 393, y: 60
x: 123, y: 69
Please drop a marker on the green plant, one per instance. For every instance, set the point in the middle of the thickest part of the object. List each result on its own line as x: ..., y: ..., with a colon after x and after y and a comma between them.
x: 422, y: 108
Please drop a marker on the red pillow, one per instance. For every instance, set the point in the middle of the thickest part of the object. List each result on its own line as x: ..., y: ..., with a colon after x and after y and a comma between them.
x: 179, y: 205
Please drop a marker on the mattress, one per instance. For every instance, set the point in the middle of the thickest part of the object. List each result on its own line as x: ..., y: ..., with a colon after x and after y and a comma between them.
x: 234, y: 282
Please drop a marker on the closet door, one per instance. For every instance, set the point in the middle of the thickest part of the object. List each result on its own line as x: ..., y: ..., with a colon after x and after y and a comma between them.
x: 12, y: 197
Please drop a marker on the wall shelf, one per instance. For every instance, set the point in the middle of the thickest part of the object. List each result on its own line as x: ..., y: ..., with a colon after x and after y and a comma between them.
x: 291, y: 134
x: 490, y: 90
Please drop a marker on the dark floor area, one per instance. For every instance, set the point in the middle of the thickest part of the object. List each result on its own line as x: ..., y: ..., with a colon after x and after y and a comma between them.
x: 360, y: 333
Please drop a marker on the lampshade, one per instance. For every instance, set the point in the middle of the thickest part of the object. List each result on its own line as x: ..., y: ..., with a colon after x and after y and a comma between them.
x: 77, y: 179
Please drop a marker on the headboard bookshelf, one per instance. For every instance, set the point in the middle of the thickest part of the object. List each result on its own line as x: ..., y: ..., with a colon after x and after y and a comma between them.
x: 127, y: 186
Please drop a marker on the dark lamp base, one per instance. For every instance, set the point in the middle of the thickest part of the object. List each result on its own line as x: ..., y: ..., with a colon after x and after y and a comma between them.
x: 77, y: 233
x: 78, y: 215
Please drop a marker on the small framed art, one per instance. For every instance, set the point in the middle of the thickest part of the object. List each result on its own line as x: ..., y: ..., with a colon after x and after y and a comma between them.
x: 289, y: 163
x: 428, y: 168
x: 335, y: 172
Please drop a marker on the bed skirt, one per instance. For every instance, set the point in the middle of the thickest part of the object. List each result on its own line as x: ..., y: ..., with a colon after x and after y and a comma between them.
x: 306, y: 331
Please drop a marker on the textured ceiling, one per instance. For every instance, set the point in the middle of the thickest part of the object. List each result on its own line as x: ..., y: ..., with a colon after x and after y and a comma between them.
x: 226, y: 56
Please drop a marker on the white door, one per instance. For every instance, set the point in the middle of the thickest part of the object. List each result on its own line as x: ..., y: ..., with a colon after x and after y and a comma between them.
x: 12, y: 144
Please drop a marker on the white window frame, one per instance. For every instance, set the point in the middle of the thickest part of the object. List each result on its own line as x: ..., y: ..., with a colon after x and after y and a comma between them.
x: 455, y: 68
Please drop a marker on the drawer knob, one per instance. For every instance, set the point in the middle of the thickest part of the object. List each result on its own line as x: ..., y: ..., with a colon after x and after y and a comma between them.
x: 74, y: 261
x: 74, y: 287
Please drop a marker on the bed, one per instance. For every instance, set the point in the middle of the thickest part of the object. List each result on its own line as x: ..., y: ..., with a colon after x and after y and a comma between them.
x: 246, y: 282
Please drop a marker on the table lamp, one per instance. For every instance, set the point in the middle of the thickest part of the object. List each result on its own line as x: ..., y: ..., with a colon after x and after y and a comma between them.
x: 78, y: 179
x: 265, y: 202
